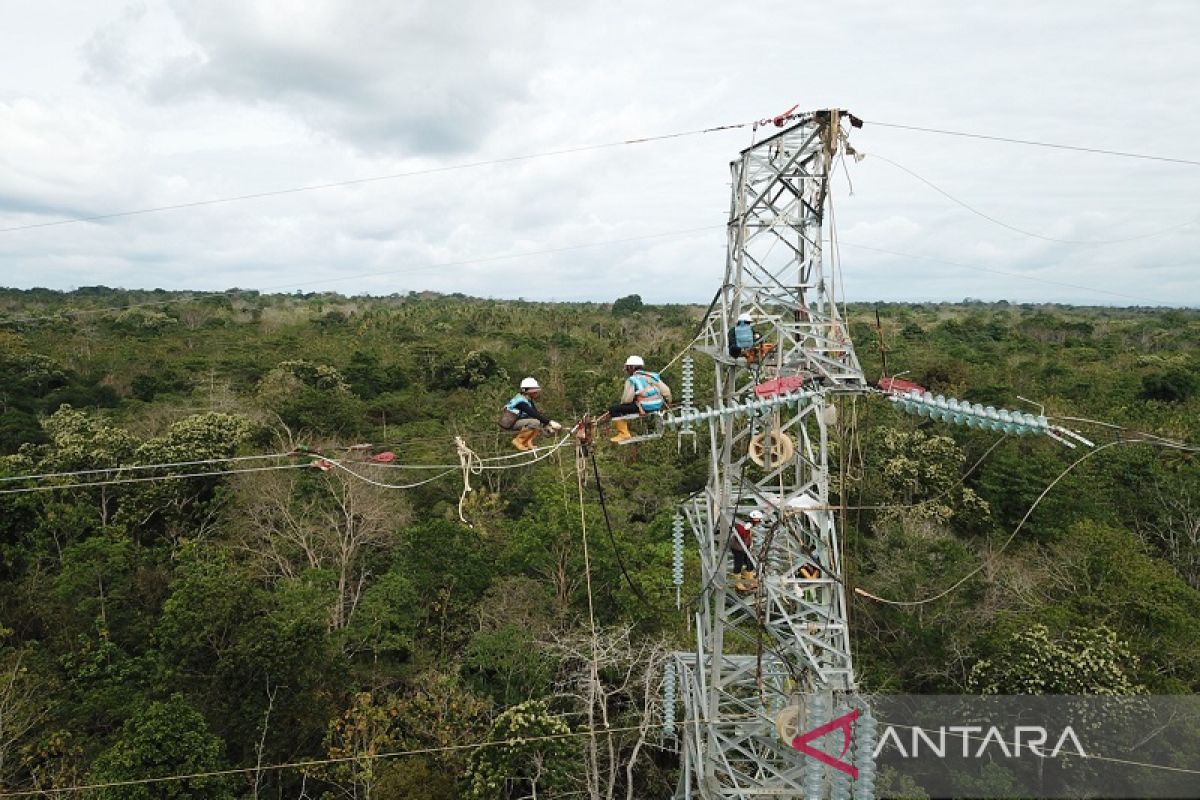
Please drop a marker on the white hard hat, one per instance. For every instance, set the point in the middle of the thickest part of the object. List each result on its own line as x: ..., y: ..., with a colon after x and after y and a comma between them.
x: 530, y: 383
x: 745, y: 318
x: 756, y: 515
x: 635, y: 361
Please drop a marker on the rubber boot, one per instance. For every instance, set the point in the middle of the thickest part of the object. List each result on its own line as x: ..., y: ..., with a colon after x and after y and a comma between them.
x: 524, y: 439
x: 748, y: 582
x: 622, y: 431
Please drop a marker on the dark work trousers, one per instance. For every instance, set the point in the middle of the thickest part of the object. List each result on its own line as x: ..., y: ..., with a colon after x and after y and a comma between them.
x: 624, y: 409
x: 741, y: 561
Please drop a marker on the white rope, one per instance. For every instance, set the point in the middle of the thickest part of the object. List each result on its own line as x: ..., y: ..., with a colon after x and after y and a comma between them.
x: 549, y: 451
x: 469, y: 462
x: 383, y: 485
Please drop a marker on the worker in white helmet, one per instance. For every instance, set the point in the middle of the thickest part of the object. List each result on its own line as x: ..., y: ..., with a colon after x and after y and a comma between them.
x: 521, y: 414
x: 745, y: 343
x: 645, y: 393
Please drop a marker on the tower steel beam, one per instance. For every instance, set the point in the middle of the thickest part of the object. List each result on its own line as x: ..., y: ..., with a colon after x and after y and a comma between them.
x: 772, y: 659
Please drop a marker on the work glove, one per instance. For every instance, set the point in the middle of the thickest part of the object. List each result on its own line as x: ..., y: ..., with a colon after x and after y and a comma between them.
x: 554, y: 427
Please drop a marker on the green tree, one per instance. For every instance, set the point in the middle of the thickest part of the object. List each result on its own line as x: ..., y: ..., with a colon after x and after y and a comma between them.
x: 1080, y: 661
x: 629, y: 304
x: 531, y: 754
x: 161, y: 740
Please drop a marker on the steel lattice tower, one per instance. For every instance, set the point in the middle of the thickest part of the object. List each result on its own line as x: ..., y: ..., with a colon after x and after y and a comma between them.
x: 773, y: 659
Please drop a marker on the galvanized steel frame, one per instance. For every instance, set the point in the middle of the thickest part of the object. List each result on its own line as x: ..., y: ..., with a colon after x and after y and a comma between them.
x: 761, y: 652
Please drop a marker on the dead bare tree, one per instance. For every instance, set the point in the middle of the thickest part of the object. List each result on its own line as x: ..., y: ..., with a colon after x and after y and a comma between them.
x: 261, y: 747
x: 606, y: 675
x: 21, y: 709
x: 1176, y: 532
x: 289, y: 524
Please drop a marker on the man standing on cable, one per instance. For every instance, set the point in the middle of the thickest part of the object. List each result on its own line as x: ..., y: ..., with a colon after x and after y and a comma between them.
x: 645, y: 392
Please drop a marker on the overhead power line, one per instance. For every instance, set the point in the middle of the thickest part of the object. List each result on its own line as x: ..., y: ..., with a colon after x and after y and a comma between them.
x: 316, y: 187
x: 317, y: 762
x: 1034, y: 143
x: 1022, y: 231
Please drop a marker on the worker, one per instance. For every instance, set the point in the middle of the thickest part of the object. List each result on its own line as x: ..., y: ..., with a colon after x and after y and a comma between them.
x: 741, y: 544
x: 741, y: 335
x: 645, y: 393
x: 521, y: 415
x: 745, y: 343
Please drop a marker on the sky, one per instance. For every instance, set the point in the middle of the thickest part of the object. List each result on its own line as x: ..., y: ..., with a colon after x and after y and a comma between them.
x: 108, y: 107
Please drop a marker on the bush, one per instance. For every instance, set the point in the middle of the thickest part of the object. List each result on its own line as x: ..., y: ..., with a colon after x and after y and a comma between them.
x: 1173, y: 385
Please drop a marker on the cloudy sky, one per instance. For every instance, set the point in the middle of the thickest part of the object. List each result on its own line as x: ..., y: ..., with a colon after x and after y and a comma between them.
x: 115, y: 106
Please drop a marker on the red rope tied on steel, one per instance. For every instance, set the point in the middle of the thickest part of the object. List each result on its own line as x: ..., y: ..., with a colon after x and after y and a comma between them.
x: 780, y: 120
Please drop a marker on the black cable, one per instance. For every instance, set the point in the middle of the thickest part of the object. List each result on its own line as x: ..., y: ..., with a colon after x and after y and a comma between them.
x: 637, y: 590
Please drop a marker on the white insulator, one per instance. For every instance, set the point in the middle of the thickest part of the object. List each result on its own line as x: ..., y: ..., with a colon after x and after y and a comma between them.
x: 677, y: 550
x: 839, y: 782
x: 866, y: 734
x: 814, y: 770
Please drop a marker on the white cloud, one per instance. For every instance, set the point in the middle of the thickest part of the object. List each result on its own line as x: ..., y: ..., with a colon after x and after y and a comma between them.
x: 127, y: 106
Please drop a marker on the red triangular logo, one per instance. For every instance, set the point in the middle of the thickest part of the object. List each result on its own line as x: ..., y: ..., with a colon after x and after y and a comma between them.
x: 844, y: 723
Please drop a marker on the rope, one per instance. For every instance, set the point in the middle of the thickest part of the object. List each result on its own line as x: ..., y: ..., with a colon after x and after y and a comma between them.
x: 383, y: 485
x: 220, y: 773
x: 593, y: 676
x: 909, y: 603
x: 699, y: 331
x: 469, y: 462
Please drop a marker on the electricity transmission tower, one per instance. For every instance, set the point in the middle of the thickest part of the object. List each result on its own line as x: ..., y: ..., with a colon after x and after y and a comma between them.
x: 773, y: 655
